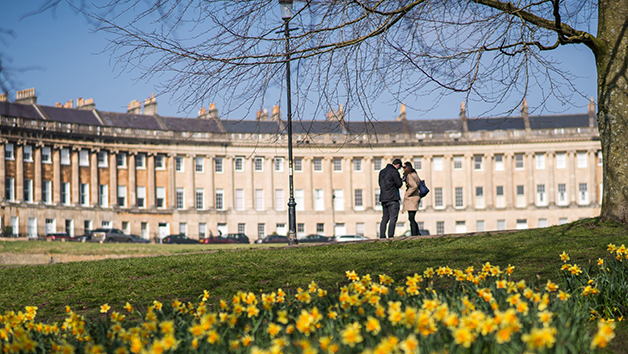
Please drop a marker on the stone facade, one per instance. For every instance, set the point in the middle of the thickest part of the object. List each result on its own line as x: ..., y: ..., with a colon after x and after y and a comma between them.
x: 79, y: 168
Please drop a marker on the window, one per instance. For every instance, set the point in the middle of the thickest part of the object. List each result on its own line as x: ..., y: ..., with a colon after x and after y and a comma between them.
x: 65, y: 193
x: 278, y: 162
x: 65, y: 156
x: 519, y: 162
x: 461, y: 227
x: 259, y: 199
x: 357, y: 164
x: 51, y: 226
x: 241, y: 228
x: 299, y: 198
x: 102, y: 159
x: 27, y: 155
x: 479, y: 197
x: 563, y: 221
x: 339, y: 199
x: 583, y: 194
x: 183, y: 228
x: 438, y: 197
x: 200, y: 199
x: 238, y: 164
x: 437, y: 162
x: 280, y: 229
x: 357, y: 199
x: 46, y: 191
x: 83, y: 158
x: 140, y: 161
x: 562, y: 194
x: 500, y: 200
x: 561, y: 160
x: 105, y: 224
x: 477, y: 163
x: 377, y: 163
x: 319, y: 201
x: 9, y: 185
x: 258, y: 164
x: 457, y: 162
x: 144, y: 230
x: 522, y: 224
x: 601, y: 193
x: 540, y: 161
x: 418, y: 165
x: 318, y: 164
x: 84, y: 194
x: 542, y: 222
x: 69, y: 227
x: 126, y: 227
x: 600, y: 158
x: 202, y: 230
x: 141, y: 197
x: 582, y: 159
x: 359, y: 228
x: 378, y: 204
x: 300, y: 230
x: 220, y: 199
x: 521, y: 198
x: 337, y: 164
x: 28, y: 190
x: 122, y: 196
x: 160, y: 162
x: 9, y: 153
x: 218, y: 164
x: 261, y: 231
x: 239, y: 199
x: 479, y: 226
x: 160, y: 197
x: 459, y: 197
x: 320, y: 228
x: 180, y: 198
x: 501, y: 225
x: 103, y: 195
x: 541, y: 198
x: 121, y: 160
x: 279, y: 203
x: 499, y: 162
x: 178, y: 163
x: 199, y: 165
x: 440, y: 227
x: 46, y: 157
x: 32, y: 227
x: 298, y: 164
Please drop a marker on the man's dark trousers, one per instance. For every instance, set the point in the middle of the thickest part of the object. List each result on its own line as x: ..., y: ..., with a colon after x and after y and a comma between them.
x: 390, y: 212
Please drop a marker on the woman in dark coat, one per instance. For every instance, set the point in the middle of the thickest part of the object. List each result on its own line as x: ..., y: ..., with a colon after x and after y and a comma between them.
x: 411, y: 198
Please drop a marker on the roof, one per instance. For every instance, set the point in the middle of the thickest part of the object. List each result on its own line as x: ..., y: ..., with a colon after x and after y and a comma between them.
x: 127, y: 120
x: 66, y: 115
x: 191, y: 125
x: 19, y: 110
x: 251, y: 126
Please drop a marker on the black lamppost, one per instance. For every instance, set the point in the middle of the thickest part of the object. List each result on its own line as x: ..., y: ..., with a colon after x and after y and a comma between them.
x: 286, y: 15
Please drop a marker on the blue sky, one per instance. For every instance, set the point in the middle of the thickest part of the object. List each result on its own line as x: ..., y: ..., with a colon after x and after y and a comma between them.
x: 59, y: 54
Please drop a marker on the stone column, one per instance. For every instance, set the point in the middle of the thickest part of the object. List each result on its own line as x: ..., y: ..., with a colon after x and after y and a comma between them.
x: 251, y: 171
x: 368, y: 194
x: 470, y: 199
x: 95, y: 200
x: 509, y: 188
x: 132, y: 181
x: 573, y: 188
x: 531, y: 197
x: 448, y: 191
x: 37, y: 181
x: 74, y: 160
x: 329, y: 188
x: 308, y: 193
x: 210, y: 195
x: 427, y: 163
x: 56, y: 174
x: 488, y: 175
x: 269, y: 193
x: 551, y: 188
x: 190, y: 189
x: 113, y: 178
x: 150, y: 189
x: 230, y: 190
x: 3, y: 175
x: 19, y: 172
x: 593, y: 186
x: 348, y: 179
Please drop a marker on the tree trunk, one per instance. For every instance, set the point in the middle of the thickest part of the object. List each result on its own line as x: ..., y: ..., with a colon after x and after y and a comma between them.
x: 612, y: 66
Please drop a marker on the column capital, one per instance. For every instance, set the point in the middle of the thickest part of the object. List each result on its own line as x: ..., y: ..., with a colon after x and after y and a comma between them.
x: 38, y: 144
x: 113, y: 151
x: 58, y: 146
x: 571, y: 152
x: 21, y: 142
x: 529, y: 153
x: 171, y: 154
x: 151, y: 153
x: 191, y: 156
x: 489, y: 155
x: 592, y: 151
x: 95, y: 149
x: 133, y: 153
x: 76, y: 148
x: 448, y: 156
x: 509, y: 154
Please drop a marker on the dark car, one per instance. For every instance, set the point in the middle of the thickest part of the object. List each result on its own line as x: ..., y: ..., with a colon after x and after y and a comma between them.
x: 315, y: 238
x: 238, y: 238
x: 109, y: 235
x: 59, y: 236
x: 275, y: 239
x: 216, y: 240
x: 138, y: 239
x: 178, y: 239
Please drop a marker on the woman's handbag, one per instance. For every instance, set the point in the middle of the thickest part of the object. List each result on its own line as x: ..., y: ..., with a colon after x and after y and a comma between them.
x: 423, y: 190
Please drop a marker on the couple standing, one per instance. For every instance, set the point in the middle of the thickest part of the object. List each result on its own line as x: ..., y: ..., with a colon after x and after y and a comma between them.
x: 389, y: 184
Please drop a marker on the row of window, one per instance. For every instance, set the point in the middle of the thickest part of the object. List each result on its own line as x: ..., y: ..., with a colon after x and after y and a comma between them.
x: 278, y: 162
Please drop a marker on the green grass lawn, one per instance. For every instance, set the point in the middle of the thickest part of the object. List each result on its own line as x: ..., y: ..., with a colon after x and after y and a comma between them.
x: 86, y: 285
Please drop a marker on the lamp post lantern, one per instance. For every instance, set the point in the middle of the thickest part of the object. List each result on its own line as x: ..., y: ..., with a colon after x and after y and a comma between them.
x: 286, y: 15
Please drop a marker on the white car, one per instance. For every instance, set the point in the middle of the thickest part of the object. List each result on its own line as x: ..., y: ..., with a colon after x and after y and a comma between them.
x: 348, y: 238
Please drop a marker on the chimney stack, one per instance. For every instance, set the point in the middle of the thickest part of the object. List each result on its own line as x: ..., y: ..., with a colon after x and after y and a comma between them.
x: 150, y: 106
x: 525, y: 116
x: 463, y: 117
x: 26, y: 96
x: 262, y: 115
x: 276, y: 114
x: 213, y: 112
x: 85, y: 105
x: 3, y: 97
x: 592, y: 115
x: 336, y: 116
x: 135, y: 107
x: 69, y: 104
x: 402, y: 112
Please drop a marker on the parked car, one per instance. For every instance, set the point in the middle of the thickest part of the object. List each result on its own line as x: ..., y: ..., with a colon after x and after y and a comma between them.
x: 238, y: 238
x: 110, y: 235
x: 138, y: 239
x: 178, y: 239
x: 315, y: 238
x: 216, y: 240
x: 275, y: 239
x: 59, y: 236
x: 348, y: 238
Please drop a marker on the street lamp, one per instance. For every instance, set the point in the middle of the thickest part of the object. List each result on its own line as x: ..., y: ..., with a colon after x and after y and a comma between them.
x: 286, y: 15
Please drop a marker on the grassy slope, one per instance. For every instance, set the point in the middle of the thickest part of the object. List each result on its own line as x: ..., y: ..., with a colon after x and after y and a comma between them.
x: 87, y: 285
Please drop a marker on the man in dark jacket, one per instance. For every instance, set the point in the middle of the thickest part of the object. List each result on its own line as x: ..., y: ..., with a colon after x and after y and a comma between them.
x: 389, y: 184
